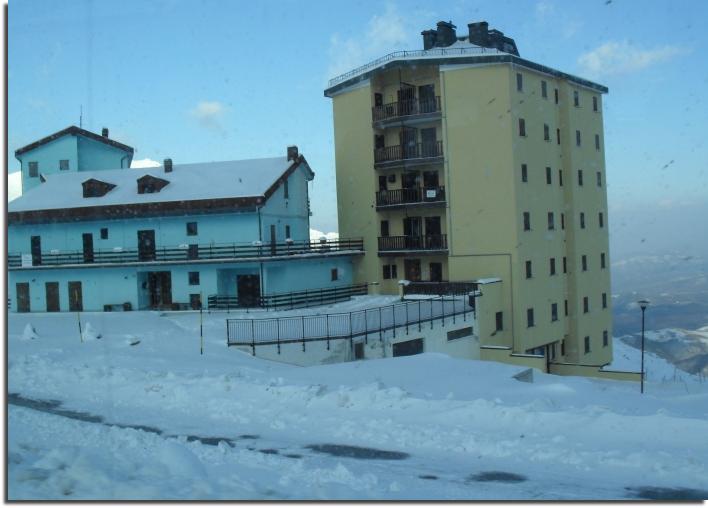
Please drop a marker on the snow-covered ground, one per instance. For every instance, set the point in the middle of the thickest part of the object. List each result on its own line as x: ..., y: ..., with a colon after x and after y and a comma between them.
x: 140, y: 414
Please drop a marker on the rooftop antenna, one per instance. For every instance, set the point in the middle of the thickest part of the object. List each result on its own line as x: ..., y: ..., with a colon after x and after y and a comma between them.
x: 81, y: 115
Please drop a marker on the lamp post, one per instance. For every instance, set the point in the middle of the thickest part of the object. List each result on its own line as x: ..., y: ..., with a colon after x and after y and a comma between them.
x: 642, y: 305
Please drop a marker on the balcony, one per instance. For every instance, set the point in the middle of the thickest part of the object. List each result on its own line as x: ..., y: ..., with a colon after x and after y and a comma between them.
x: 408, y: 155
x: 399, y: 198
x: 187, y: 254
x: 409, y: 111
x: 412, y: 244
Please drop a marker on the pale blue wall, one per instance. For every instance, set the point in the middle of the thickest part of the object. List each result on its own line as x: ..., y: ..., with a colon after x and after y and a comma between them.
x: 293, y: 211
x: 95, y: 155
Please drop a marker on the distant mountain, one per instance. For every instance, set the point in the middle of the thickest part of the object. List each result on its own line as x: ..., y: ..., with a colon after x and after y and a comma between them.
x: 686, y: 349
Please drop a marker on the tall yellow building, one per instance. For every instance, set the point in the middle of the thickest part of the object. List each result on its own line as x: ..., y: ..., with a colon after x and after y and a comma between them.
x: 465, y: 162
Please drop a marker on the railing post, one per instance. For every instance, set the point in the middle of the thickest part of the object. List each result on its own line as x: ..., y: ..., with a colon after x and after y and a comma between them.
x: 393, y: 312
x: 420, y: 318
x: 380, y: 326
x: 431, y: 313
x: 302, y: 321
x: 406, y: 318
x: 327, y: 330
x: 351, y: 333
x: 442, y: 303
x: 277, y: 324
x: 253, y: 338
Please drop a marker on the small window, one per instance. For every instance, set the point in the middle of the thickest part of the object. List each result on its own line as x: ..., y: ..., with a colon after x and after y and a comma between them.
x: 582, y: 220
x: 193, y: 251
x: 384, y: 228
x: 560, y: 177
x: 33, y: 168
x: 522, y: 127
x: 563, y: 221
x: 104, y: 233
x: 584, y: 262
x: 544, y: 89
x: 551, y: 221
x: 594, y: 103
x: 193, y: 278
x: 394, y: 271
x: 565, y: 264
x: 587, y: 345
x: 602, y: 260
x: 604, y: 300
x: 500, y: 321
x: 565, y: 308
x: 576, y: 99
x: 599, y: 179
x: 334, y: 274
x: 546, y: 132
x: 519, y: 82
x: 286, y: 190
x: 192, y: 229
x: 580, y: 177
x: 605, y: 338
x: 386, y: 271
x: 597, y: 141
x: 287, y: 231
x: 586, y: 304
x: 524, y: 173
x: 555, y: 95
x: 558, y: 136
x: 549, y: 177
x: 601, y: 219
x: 460, y: 333
x: 577, y: 138
x: 527, y: 221
x: 552, y: 266
x: 554, y: 312
x: 563, y: 347
x: 64, y: 165
x: 553, y: 351
x: 528, y: 269
x: 529, y: 318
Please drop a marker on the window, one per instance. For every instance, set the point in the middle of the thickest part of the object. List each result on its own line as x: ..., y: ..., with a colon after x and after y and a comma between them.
x: 500, y: 321
x: 558, y: 136
x: 524, y: 173
x: 104, y: 233
x: 529, y: 317
x: 334, y: 273
x: 551, y: 221
x: 527, y: 221
x: 554, y: 312
x: 390, y: 271
x: 553, y: 351
x: 555, y: 95
x: 594, y: 103
x: 286, y: 190
x: 528, y: 269
x: 604, y: 300
x: 602, y: 260
x: 287, y: 231
x: 195, y: 301
x: 562, y: 221
x: 33, y: 168
x: 577, y: 138
x: 546, y: 132
x: 584, y: 262
x: 549, y: 178
x: 576, y: 99
x: 580, y: 177
x: 597, y: 141
x: 582, y: 220
x: 601, y: 219
x: 191, y: 229
x: 149, y: 184
x: 522, y: 127
x: 544, y: 90
x: 458, y: 334
x: 586, y: 305
x: 384, y: 228
x: 565, y: 264
x: 519, y: 82
x: 563, y: 347
x: 565, y: 308
x: 599, y: 179
x: 553, y: 266
x: 64, y: 165
x: 605, y: 338
x: 587, y: 345
x: 394, y: 271
x: 193, y: 251
x: 193, y: 278
x: 560, y: 177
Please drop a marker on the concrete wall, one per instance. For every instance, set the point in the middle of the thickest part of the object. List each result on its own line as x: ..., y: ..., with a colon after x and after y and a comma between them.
x: 506, y: 355
x: 593, y: 371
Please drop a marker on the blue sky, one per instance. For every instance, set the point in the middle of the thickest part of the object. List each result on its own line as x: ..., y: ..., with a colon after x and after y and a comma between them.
x: 220, y: 80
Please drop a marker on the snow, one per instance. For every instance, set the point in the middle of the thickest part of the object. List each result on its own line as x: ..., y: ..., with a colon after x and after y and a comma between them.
x: 168, y: 423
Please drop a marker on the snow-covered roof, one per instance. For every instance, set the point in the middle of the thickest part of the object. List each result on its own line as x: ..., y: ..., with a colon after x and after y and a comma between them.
x: 187, y: 182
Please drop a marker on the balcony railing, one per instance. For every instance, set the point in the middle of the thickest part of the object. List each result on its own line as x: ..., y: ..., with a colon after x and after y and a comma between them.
x: 413, y: 243
x: 439, y: 288
x: 429, y: 150
x: 292, y: 300
x: 405, y: 108
x: 189, y: 253
x: 400, y: 197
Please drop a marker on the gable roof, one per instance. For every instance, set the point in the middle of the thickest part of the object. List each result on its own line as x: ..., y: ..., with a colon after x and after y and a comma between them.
x: 74, y: 131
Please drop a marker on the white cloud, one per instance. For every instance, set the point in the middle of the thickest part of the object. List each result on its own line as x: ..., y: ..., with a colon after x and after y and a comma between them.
x: 315, y: 235
x: 209, y: 114
x: 623, y: 57
x: 544, y: 8
x: 144, y: 163
x: 14, y: 185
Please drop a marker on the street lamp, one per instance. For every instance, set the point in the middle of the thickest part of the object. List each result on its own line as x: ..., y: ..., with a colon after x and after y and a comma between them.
x: 643, y: 304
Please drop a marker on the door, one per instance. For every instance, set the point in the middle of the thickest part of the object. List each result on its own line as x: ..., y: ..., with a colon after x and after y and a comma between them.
x: 410, y: 187
x: 88, y: 247
x: 412, y: 230
x: 248, y: 289
x: 146, y: 245
x: 52, y: 289
x: 383, y: 183
x: 272, y: 240
x: 23, y: 296
x: 76, y: 300
x: 406, y: 100
x: 433, y: 233
x: 431, y: 180
x: 36, y: 246
x: 426, y: 99
x: 160, y: 289
x: 408, y: 138
x: 428, y: 142
x: 436, y: 272
x: 411, y: 267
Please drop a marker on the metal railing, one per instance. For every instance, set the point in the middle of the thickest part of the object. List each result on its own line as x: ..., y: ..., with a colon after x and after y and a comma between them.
x: 401, y: 55
x: 439, y: 288
x: 417, y: 243
x: 427, y: 150
x: 346, y: 325
x: 291, y: 300
x: 409, y: 107
x: 410, y: 196
x: 189, y: 253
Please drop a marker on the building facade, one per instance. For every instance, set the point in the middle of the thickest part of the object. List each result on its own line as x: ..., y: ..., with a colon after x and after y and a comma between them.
x: 464, y: 161
x: 169, y: 237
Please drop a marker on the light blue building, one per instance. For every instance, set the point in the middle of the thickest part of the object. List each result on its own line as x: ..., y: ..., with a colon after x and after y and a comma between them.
x: 231, y: 233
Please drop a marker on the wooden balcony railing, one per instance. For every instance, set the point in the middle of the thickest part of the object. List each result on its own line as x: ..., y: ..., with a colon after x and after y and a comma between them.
x: 410, y: 107
x: 397, y: 197
x: 413, y: 243
x: 428, y: 150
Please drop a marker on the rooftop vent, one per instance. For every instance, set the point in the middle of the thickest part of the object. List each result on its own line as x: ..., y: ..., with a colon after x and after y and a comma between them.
x: 104, y: 132
x: 168, y: 165
x: 292, y: 153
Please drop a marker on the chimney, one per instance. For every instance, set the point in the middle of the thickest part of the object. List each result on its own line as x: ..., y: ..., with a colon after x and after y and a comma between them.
x: 479, y: 33
x: 292, y: 153
x: 446, y: 34
x: 104, y: 132
x: 429, y: 38
x: 168, y: 165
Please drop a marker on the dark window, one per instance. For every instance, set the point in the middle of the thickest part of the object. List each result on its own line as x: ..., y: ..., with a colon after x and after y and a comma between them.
x: 577, y: 138
x: 522, y: 127
x: 602, y: 260
x: 386, y: 271
x: 384, y: 228
x: 605, y: 338
x: 104, y: 233
x: 580, y: 177
x: 500, y: 321
x: 604, y: 300
x: 597, y: 141
x: 594, y: 103
x: 563, y: 347
x: 558, y: 136
x: 394, y: 271
x: 193, y: 251
x: 587, y: 345
x: 436, y: 272
x: 553, y: 266
x: 576, y: 98
x: 551, y: 221
x: 192, y: 229
x: 529, y: 318
x: 287, y: 231
x: 554, y: 312
x: 584, y: 262
x: 555, y: 95
x: 93, y: 188
x: 379, y: 141
x: 408, y: 347
x: 586, y: 304
x: 601, y: 219
x: 458, y: 334
x: 33, y: 169
x: 149, y: 184
x: 63, y: 164
x: 565, y: 265
x: 335, y: 274
x: 528, y: 269
x: 519, y: 82
x: 549, y: 178
x: 546, y: 132
x: 582, y: 220
x: 195, y: 301
x: 527, y: 221
x: 544, y: 90
x: 552, y: 347
x: 560, y: 177
x: 599, y: 179
x: 286, y: 190
x: 562, y: 221
x: 565, y: 308
x: 378, y: 99
x: 524, y: 173
x: 193, y: 278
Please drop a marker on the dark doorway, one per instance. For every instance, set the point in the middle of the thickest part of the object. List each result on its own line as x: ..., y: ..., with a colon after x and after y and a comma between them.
x: 88, y: 247
x: 378, y: 100
x: 431, y: 180
x: 409, y: 179
x: 146, y: 245
x: 379, y: 142
x: 408, y: 348
x: 428, y: 142
x: 359, y: 351
x: 406, y: 99
x: 413, y: 232
x: 383, y: 183
x: 76, y: 299
x: 411, y: 267
x: 52, y: 289
x: 160, y: 289
x: 426, y: 98
x: 36, y: 246
x: 409, y: 137
x: 433, y: 233
x: 436, y: 272
x: 23, y: 296
x: 272, y: 240
x: 248, y: 289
